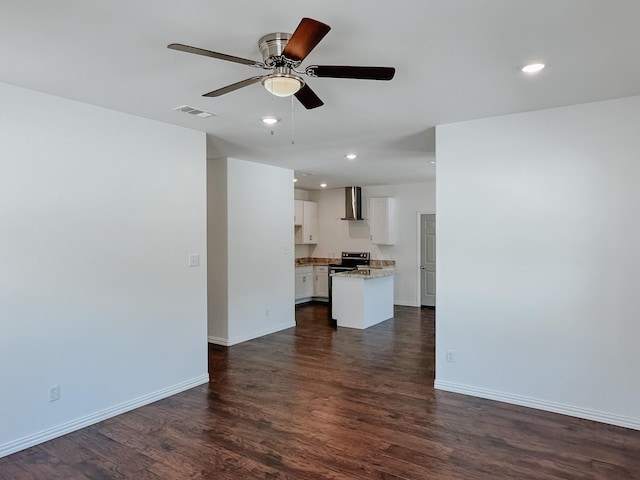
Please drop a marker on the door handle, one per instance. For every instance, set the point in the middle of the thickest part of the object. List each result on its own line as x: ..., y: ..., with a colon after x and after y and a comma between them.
x: 422, y: 267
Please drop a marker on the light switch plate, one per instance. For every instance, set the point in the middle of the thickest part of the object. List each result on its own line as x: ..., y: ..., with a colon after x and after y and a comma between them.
x: 194, y: 260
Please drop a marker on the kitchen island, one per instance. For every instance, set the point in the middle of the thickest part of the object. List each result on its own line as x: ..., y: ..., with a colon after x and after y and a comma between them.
x: 362, y: 298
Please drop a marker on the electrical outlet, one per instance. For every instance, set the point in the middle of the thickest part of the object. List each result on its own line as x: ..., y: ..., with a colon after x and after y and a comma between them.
x: 451, y: 356
x: 194, y: 260
x: 54, y: 393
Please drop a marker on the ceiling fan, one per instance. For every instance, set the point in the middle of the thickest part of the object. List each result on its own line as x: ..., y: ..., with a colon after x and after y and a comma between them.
x: 283, y: 53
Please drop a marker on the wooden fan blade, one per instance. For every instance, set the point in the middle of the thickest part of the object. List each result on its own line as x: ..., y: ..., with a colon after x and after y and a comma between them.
x: 308, y: 98
x: 233, y: 86
x: 305, y: 38
x: 209, y: 53
x: 345, y: 71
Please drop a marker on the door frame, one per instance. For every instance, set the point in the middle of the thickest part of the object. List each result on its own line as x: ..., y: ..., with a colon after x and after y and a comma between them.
x: 419, y: 238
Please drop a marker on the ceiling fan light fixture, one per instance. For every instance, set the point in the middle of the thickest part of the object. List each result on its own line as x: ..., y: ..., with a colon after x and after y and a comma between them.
x: 282, y: 85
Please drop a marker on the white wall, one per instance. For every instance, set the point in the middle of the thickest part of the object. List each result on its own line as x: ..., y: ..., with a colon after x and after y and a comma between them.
x: 99, y: 212
x: 217, y: 249
x: 538, y: 259
x: 260, y: 254
x: 337, y: 235
x: 301, y: 251
x: 300, y: 194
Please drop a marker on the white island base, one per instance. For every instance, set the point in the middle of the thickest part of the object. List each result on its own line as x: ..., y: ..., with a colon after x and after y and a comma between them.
x: 362, y: 300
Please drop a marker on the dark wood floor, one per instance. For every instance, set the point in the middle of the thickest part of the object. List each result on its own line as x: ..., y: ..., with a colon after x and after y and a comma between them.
x: 318, y: 403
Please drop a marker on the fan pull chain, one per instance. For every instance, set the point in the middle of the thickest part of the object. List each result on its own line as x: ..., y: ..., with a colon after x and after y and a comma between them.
x: 292, y: 129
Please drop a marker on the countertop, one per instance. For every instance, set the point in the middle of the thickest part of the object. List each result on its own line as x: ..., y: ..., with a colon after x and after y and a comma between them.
x: 366, y: 274
x: 302, y: 262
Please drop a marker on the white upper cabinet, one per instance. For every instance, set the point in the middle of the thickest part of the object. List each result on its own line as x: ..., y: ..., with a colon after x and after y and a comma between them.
x: 298, y: 213
x: 310, y: 225
x: 307, y: 232
x: 382, y: 220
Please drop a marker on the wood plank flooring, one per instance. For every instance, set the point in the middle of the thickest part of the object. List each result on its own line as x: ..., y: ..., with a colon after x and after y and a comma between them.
x: 313, y: 402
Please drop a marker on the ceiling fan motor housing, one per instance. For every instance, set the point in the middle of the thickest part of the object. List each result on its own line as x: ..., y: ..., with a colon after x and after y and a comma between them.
x: 271, y: 47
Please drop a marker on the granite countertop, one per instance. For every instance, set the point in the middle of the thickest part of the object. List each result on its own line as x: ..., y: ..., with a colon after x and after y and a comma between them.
x: 370, y: 273
x: 301, y: 262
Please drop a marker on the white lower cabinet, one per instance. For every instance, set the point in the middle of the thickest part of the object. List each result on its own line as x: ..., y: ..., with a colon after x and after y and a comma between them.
x: 312, y: 282
x: 321, y: 281
x: 304, y: 283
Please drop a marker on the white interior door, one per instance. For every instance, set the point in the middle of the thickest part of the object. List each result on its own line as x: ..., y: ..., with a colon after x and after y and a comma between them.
x: 428, y: 260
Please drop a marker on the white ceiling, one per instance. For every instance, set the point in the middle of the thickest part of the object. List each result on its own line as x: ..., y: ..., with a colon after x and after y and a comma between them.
x: 455, y: 60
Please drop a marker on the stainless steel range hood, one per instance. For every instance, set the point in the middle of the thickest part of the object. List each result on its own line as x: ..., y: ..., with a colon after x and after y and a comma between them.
x: 352, y: 203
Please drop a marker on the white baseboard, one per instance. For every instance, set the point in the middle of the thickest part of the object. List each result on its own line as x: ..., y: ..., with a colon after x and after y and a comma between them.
x: 406, y: 304
x: 72, y: 426
x: 227, y: 342
x: 572, y: 411
x: 218, y: 340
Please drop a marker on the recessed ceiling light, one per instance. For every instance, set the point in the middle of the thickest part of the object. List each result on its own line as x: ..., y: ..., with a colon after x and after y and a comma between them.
x: 269, y: 120
x: 295, y: 180
x: 351, y: 156
x: 323, y: 185
x: 432, y: 162
x: 533, y: 67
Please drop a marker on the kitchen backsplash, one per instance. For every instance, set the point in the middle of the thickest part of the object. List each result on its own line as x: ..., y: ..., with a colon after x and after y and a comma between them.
x: 302, y: 251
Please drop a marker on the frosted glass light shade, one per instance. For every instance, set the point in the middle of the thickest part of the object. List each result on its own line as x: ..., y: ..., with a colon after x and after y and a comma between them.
x: 282, y: 86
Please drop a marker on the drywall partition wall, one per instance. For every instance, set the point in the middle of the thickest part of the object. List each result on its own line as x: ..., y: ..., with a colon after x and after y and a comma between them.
x: 99, y: 213
x: 340, y: 235
x: 538, y: 259
x: 259, y: 255
x: 217, y: 249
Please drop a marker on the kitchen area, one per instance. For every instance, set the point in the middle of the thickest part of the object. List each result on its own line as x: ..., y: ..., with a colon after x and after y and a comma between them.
x: 253, y: 251
x: 357, y: 288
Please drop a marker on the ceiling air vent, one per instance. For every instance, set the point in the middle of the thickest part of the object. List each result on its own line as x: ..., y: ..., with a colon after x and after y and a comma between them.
x: 194, y: 111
